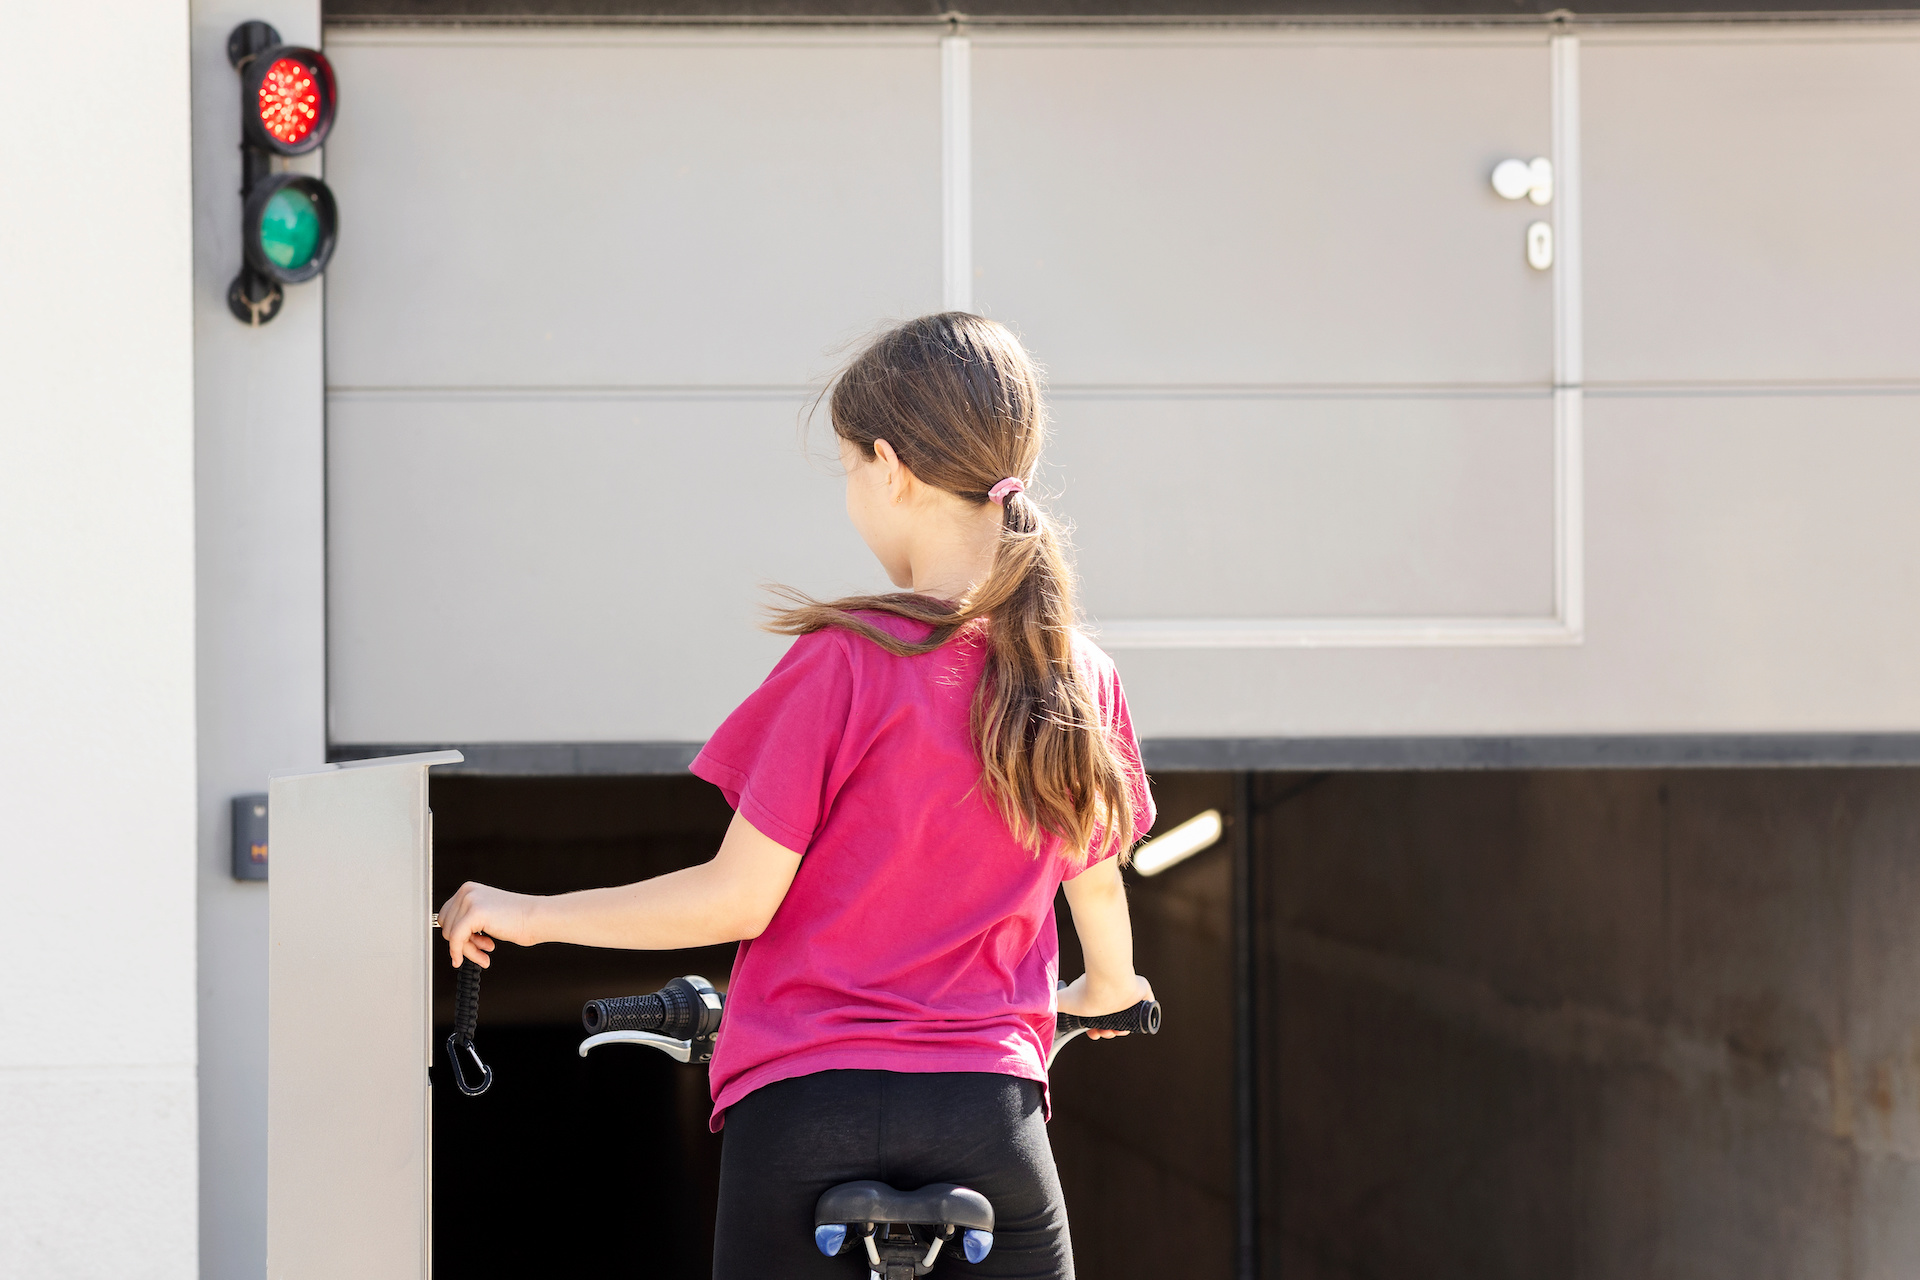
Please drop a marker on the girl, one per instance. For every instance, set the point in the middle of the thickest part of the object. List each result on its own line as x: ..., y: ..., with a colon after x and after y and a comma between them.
x: 911, y: 785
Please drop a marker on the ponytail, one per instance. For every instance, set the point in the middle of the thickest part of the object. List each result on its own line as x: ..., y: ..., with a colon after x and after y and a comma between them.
x: 959, y: 400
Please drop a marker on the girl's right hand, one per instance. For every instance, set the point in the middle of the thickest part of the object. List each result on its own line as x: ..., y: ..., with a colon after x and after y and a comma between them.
x: 1084, y: 1000
x: 477, y: 914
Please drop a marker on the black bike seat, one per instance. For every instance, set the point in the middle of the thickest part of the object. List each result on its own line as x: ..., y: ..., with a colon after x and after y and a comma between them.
x: 939, y: 1204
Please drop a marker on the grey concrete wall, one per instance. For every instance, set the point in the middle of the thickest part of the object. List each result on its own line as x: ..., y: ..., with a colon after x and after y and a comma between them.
x: 1593, y: 1024
x: 260, y: 621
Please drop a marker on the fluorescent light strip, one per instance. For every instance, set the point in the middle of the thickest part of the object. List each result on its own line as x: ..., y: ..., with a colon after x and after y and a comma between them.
x: 1179, y: 844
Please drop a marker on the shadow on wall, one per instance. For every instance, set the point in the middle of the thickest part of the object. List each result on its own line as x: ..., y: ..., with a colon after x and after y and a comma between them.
x: 1592, y: 1024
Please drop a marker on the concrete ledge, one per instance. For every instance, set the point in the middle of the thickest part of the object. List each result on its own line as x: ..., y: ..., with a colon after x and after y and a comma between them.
x: 1627, y: 751
x: 1632, y: 751
x: 542, y: 758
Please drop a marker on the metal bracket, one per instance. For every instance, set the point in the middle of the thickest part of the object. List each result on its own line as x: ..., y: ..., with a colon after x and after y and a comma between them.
x: 249, y: 40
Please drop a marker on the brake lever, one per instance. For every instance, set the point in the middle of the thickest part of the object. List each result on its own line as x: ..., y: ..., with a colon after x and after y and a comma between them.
x: 678, y: 1050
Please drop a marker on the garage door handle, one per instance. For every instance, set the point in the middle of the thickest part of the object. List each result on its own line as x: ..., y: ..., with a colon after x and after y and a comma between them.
x: 1531, y: 179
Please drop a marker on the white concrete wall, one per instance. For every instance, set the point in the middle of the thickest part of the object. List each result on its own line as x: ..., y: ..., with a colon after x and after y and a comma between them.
x: 262, y: 620
x: 97, y: 1048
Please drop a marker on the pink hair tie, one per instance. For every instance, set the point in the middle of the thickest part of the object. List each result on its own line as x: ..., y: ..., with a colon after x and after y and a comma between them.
x: 1012, y: 484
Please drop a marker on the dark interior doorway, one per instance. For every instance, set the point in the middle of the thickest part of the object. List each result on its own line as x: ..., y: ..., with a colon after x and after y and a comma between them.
x: 1616, y: 1024
x: 567, y: 1162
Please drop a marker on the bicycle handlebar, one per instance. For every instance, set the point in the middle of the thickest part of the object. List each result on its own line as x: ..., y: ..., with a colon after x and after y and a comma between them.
x: 1142, y: 1019
x: 685, y: 1009
x: 683, y: 1018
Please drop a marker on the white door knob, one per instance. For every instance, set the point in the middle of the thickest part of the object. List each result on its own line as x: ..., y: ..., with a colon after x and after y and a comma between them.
x: 1533, y: 179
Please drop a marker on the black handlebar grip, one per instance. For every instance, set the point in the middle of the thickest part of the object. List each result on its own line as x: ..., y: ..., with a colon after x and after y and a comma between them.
x: 624, y: 1013
x: 1142, y: 1019
x: 680, y: 1010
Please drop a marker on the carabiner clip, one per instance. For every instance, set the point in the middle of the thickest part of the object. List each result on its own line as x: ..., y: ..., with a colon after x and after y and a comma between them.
x: 466, y: 1021
x: 456, y: 1043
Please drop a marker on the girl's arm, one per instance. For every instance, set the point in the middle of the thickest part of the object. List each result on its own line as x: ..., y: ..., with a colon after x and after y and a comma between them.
x: 730, y: 898
x: 1098, y: 900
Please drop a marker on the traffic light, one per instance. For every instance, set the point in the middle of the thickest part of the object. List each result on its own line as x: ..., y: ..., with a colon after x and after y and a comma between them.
x: 288, y: 220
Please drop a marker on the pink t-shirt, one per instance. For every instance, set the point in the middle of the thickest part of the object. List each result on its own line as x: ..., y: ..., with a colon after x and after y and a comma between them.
x: 918, y: 934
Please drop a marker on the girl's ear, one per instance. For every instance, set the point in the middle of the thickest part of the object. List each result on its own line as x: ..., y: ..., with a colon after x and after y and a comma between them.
x: 897, y: 473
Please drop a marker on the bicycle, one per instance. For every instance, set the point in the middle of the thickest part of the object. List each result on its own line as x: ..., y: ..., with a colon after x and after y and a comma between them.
x: 901, y: 1232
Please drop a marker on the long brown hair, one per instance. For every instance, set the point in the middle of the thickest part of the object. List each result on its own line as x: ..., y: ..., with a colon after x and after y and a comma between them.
x: 958, y: 398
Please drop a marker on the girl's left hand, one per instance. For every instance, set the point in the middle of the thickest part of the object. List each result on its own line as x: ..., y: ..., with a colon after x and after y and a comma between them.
x: 477, y: 914
x: 1081, y: 997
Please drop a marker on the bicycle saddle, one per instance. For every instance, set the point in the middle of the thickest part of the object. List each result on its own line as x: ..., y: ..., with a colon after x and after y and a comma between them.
x: 890, y: 1223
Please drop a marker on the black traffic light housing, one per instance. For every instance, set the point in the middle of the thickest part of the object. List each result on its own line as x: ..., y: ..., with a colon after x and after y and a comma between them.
x: 289, y: 222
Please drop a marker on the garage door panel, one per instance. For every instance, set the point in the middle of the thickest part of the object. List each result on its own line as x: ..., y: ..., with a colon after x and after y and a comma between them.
x: 566, y: 569
x: 1753, y: 566
x: 533, y: 211
x: 1303, y: 508
x: 1262, y: 211
x: 1750, y: 205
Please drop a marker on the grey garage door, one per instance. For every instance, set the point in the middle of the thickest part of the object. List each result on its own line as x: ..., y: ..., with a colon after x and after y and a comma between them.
x: 1320, y: 419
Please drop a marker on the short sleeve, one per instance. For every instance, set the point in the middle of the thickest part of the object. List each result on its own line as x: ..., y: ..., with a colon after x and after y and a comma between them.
x: 1112, y: 701
x: 1128, y: 744
x: 774, y: 757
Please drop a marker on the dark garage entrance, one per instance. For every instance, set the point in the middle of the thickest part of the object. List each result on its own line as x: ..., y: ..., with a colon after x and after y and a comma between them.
x: 1588, y: 1023
x: 607, y: 1161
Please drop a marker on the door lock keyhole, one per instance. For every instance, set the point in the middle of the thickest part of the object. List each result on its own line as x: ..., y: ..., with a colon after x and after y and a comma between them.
x: 1540, y: 245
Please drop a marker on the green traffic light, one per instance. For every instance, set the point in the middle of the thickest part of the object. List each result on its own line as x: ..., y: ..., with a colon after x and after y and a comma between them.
x: 289, y: 228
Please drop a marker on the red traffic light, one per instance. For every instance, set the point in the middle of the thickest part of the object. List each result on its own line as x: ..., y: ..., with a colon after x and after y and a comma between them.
x: 288, y: 100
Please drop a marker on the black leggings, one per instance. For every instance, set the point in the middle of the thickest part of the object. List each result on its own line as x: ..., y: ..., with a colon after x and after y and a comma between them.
x: 787, y: 1142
